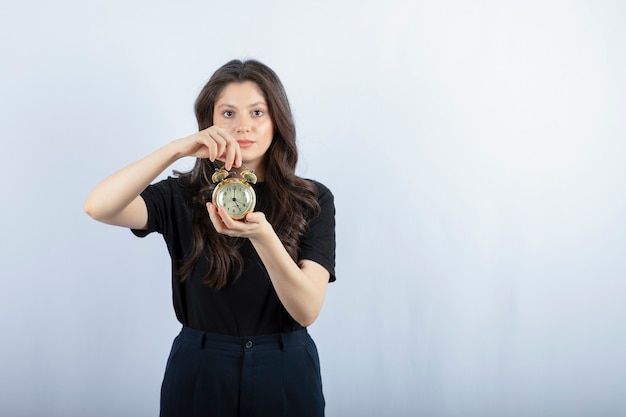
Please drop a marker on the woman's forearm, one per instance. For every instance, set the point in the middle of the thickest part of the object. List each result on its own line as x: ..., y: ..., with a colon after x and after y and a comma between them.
x: 109, y: 198
x: 116, y: 199
x: 301, y: 289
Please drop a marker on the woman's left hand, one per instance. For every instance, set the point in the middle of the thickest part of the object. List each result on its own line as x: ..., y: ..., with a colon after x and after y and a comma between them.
x: 252, y: 226
x: 301, y: 287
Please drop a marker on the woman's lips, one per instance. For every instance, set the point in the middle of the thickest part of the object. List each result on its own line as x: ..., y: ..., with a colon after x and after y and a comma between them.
x: 245, y: 143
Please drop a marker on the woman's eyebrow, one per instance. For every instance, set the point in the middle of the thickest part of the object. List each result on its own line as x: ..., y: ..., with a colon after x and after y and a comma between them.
x: 232, y: 106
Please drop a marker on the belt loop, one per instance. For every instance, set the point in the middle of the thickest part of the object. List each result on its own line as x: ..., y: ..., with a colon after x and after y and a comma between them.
x: 203, y: 340
x: 282, y: 343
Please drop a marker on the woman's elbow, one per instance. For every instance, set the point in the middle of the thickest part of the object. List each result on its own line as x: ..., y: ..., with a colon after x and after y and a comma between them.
x: 307, y: 319
x: 92, y: 210
x: 97, y: 211
x: 89, y: 209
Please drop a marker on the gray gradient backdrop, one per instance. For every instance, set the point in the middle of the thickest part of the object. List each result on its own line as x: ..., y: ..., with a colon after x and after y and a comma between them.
x: 476, y: 151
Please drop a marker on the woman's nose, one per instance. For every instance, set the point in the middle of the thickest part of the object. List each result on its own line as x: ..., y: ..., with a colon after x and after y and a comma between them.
x: 243, y: 126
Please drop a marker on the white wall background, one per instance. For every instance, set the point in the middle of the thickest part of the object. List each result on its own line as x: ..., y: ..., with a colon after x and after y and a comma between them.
x: 483, y: 273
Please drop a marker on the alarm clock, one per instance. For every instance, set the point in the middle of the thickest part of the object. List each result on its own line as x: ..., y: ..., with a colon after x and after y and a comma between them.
x: 234, y: 194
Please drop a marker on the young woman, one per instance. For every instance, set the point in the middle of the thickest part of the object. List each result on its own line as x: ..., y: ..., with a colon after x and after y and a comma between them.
x: 244, y: 290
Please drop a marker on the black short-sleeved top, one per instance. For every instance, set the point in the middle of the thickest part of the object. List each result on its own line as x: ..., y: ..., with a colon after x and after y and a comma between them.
x: 247, y: 306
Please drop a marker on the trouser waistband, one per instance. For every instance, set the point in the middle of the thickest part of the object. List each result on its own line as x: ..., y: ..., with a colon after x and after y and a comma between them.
x: 282, y: 341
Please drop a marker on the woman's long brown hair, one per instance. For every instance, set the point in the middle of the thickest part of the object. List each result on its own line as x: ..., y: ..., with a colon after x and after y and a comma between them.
x: 293, y: 202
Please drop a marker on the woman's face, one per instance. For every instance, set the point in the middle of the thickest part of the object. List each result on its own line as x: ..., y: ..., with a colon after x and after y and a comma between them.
x: 242, y: 110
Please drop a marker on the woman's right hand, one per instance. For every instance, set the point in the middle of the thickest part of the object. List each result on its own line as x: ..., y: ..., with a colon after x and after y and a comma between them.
x: 212, y: 143
x: 117, y: 200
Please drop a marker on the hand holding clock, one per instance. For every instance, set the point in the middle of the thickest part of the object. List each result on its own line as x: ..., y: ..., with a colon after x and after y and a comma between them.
x: 253, y: 225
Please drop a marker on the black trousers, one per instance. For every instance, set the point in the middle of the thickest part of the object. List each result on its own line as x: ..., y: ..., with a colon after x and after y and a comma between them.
x: 209, y: 374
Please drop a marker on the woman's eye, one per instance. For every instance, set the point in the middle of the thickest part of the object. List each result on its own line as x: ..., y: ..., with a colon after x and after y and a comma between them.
x: 258, y: 113
x: 228, y: 113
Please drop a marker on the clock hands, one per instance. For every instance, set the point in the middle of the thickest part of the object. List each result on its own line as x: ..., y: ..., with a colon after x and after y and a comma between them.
x: 234, y: 199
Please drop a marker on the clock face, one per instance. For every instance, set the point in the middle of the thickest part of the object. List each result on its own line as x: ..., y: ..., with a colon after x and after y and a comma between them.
x: 236, y: 196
